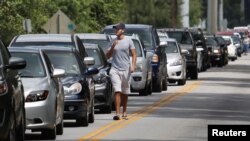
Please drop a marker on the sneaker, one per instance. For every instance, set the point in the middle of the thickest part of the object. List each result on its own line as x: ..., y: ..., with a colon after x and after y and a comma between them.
x: 116, y: 117
x: 125, y: 117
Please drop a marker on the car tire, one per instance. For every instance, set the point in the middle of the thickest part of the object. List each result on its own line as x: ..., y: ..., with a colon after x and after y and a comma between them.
x: 59, y: 128
x: 194, y: 73
x: 50, y: 134
x: 149, y: 91
x: 12, y: 132
x: 82, y: 121
x: 164, y: 84
x: 181, y: 82
x: 157, y: 85
x: 144, y: 92
x: 20, y: 134
x: 92, y: 113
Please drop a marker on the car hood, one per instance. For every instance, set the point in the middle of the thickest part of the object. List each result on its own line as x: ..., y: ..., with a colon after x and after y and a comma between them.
x: 68, y: 80
x: 173, y: 56
x: 34, y: 84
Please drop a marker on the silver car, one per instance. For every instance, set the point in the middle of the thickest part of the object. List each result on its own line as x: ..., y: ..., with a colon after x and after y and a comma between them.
x: 176, y: 63
x: 44, y: 97
x: 141, y: 80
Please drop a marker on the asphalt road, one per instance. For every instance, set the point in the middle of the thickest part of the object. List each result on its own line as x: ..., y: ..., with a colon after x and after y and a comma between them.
x: 221, y: 95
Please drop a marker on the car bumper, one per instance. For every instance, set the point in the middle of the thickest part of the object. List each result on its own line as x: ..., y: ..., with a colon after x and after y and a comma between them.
x: 138, y: 81
x: 74, y: 109
x: 41, y: 114
x: 216, y: 57
x: 175, y: 72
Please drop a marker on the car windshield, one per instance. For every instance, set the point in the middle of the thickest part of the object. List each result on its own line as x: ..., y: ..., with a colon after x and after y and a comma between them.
x: 97, y: 55
x: 34, y: 65
x: 236, y: 40
x: 211, y: 42
x: 138, y: 48
x: 171, y: 48
x: 59, y: 44
x: 181, y: 37
x: 104, y: 44
x: 144, y: 33
x: 66, y: 61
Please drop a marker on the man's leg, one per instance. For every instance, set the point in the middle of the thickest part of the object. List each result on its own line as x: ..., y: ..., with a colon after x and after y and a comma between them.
x: 124, y: 99
x: 117, y: 103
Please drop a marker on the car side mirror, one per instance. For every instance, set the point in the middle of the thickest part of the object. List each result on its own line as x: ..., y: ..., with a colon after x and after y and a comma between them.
x: 16, y: 63
x: 199, y: 49
x: 184, y: 51
x: 91, y: 71
x: 58, y: 72
x: 89, y: 60
x: 163, y: 44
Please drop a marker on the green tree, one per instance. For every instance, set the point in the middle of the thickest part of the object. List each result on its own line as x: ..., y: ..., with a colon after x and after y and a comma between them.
x: 160, y: 13
x: 195, y: 12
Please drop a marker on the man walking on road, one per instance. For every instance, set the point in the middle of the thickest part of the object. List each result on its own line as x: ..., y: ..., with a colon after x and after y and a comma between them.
x: 121, y: 68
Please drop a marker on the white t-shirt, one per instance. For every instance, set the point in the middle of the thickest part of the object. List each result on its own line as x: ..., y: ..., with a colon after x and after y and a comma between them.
x: 120, y: 57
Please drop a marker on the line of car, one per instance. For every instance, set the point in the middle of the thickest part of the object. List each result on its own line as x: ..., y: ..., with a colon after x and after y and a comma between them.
x: 62, y: 76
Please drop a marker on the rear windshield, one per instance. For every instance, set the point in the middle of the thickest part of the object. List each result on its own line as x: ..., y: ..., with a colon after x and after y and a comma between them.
x: 181, y: 37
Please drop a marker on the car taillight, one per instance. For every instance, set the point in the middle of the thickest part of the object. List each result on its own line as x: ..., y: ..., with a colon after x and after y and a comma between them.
x: 155, y: 58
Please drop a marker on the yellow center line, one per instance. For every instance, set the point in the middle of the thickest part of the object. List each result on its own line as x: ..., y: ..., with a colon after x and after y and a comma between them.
x: 116, y: 125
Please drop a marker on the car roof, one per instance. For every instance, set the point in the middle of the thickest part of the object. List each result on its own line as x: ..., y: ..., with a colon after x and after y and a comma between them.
x: 131, y: 26
x: 44, y: 37
x: 92, y: 36
x: 52, y: 48
x: 25, y: 49
x: 173, y: 29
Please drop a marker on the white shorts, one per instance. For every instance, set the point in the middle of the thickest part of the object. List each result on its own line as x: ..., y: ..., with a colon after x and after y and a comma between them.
x: 120, y: 80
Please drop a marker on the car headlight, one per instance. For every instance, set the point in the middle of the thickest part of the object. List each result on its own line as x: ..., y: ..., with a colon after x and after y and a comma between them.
x: 73, y: 89
x: 138, y: 67
x: 176, y: 63
x: 216, y: 51
x: 37, y: 96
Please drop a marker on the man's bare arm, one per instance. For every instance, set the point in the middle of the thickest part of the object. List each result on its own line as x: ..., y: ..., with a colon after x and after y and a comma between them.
x: 110, y: 51
x: 133, y: 66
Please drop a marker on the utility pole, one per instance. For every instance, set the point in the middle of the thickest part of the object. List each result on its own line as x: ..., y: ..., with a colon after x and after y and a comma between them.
x: 221, y: 24
x: 185, y: 13
x: 212, y: 16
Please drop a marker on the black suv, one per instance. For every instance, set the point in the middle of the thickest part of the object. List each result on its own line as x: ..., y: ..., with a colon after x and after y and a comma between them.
x: 187, y: 44
x: 150, y: 38
x: 12, y: 111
